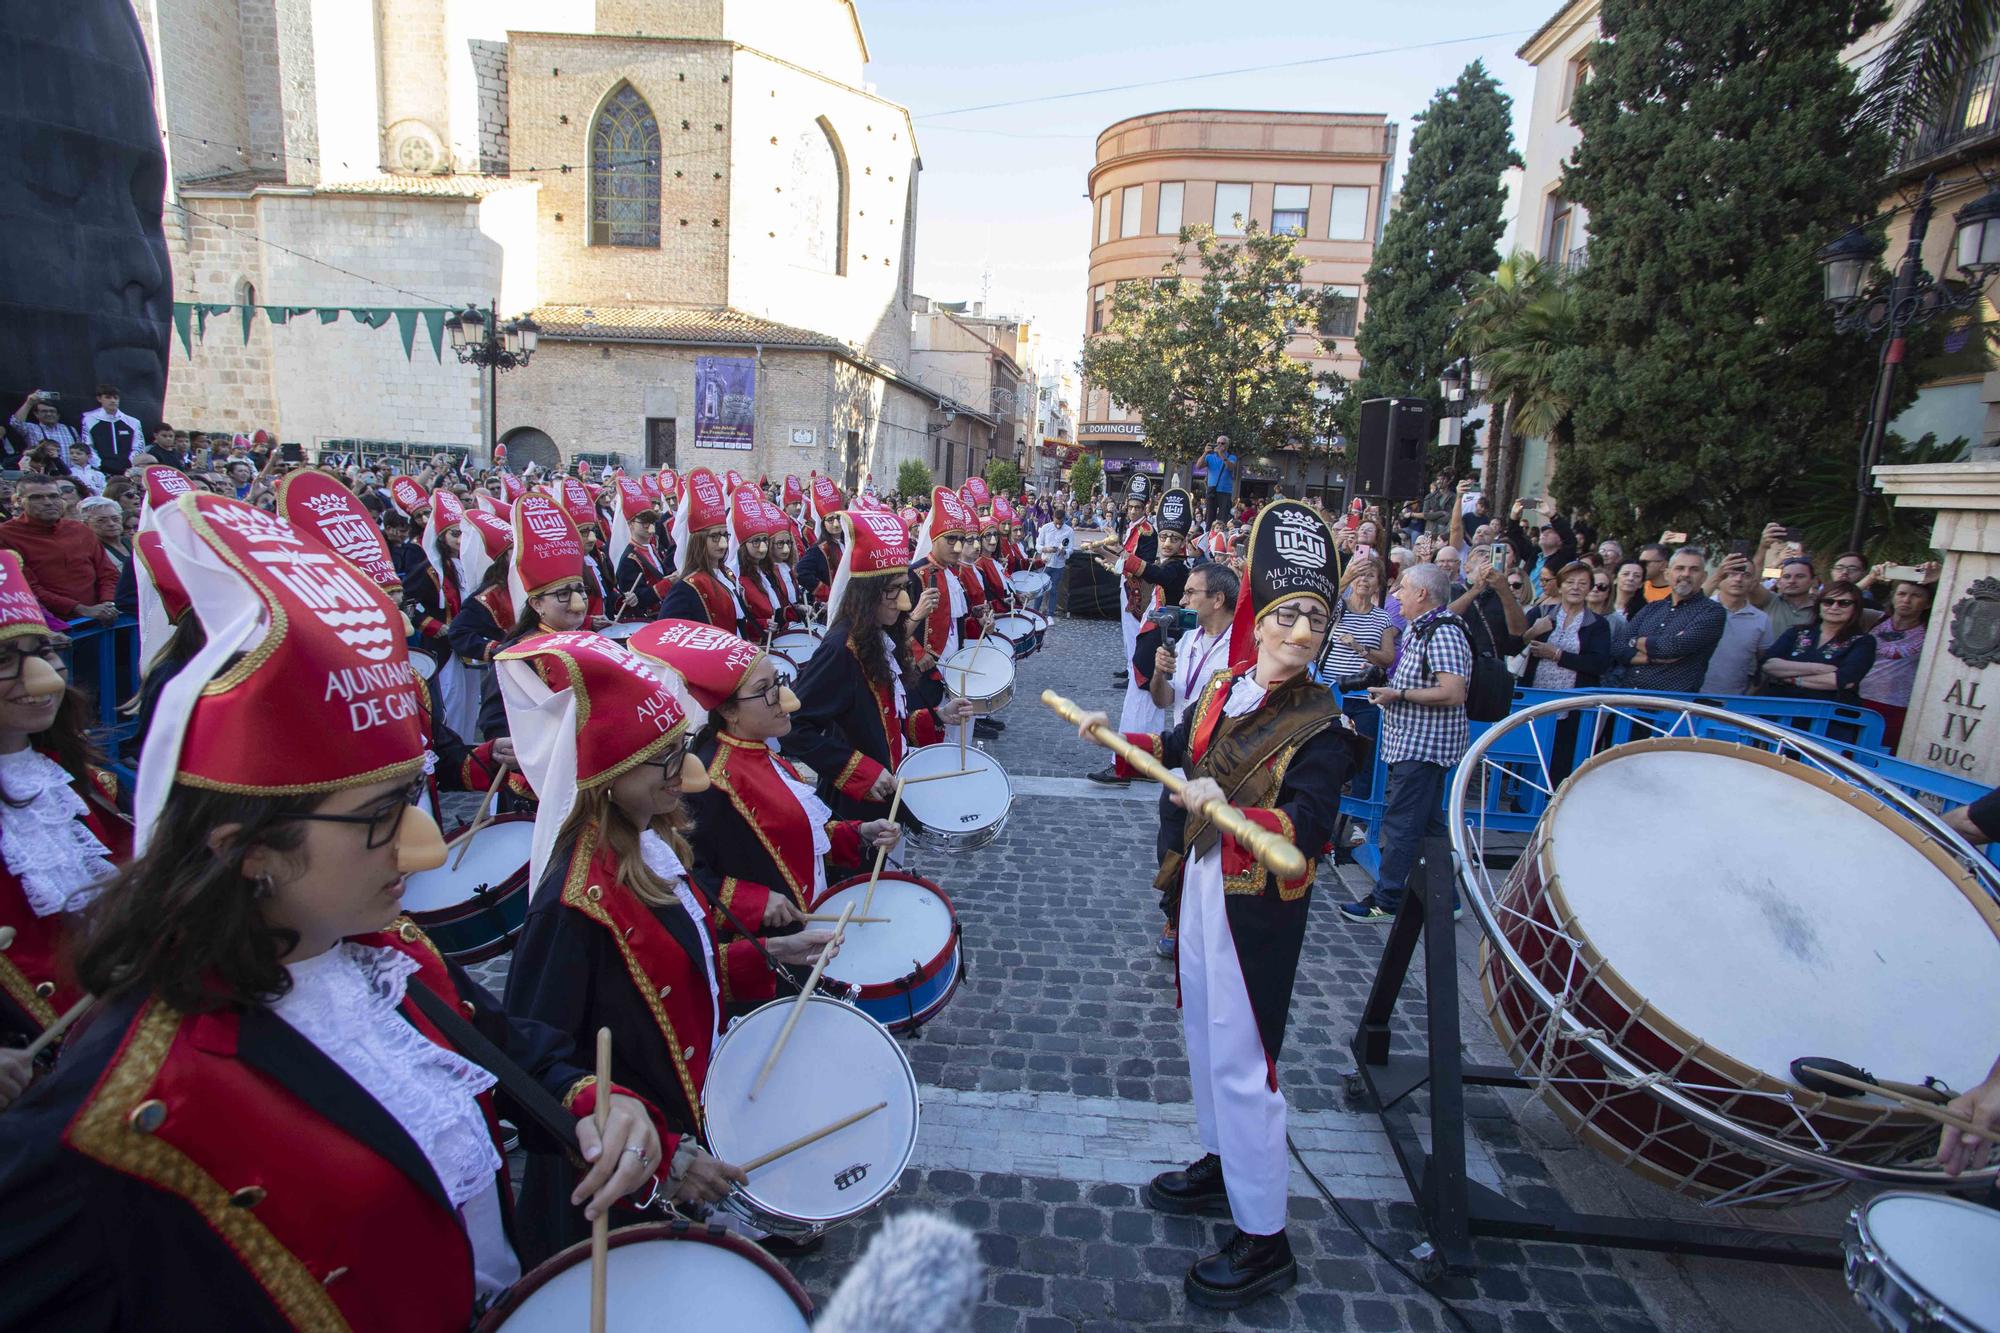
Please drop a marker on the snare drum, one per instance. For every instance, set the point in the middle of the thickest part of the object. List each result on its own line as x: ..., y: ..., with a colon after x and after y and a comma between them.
x: 1918, y: 1261
x: 838, y: 1061
x: 958, y: 813
x: 424, y: 665
x: 982, y: 676
x: 1018, y: 630
x: 791, y: 650
x: 665, y: 1277
x: 1028, y: 584
x: 1041, y: 624
x: 1684, y: 986
x: 621, y: 630
x: 907, y: 966
x: 474, y: 911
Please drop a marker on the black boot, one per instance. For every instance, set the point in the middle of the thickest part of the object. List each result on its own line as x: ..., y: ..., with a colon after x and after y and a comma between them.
x: 1195, y: 1190
x: 1241, y: 1271
x: 1108, y: 775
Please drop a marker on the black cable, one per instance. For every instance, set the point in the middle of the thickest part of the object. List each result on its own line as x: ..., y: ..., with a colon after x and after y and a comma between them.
x: 1368, y: 1240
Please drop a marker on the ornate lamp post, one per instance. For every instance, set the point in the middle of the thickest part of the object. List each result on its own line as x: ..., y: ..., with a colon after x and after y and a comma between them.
x: 1910, y: 298
x: 480, y: 339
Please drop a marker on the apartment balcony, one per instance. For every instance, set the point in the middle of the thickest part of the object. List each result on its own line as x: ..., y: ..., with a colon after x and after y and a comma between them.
x: 1578, y: 256
x: 1973, y: 123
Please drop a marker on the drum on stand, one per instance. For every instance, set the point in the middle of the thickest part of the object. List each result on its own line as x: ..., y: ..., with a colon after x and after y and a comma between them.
x: 1019, y: 630
x: 982, y: 676
x: 958, y: 813
x: 791, y: 650
x: 662, y: 1277
x: 1659, y: 1000
x: 837, y: 1061
x: 908, y: 965
x: 473, y: 909
x: 1918, y: 1261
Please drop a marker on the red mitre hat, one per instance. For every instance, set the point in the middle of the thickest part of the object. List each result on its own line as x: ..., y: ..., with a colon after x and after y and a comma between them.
x: 577, y: 499
x: 732, y: 481
x: 20, y: 610
x: 950, y: 513
x: 476, y: 557
x: 707, y: 506
x: 167, y: 585
x: 976, y: 492
x: 495, y: 534
x: 315, y: 503
x: 878, y: 545
x: 910, y: 516
x: 547, y: 550
x: 409, y: 497
x: 746, y: 516
x: 794, y: 492
x: 512, y: 487
x: 712, y: 662
x: 447, y: 511
x: 670, y: 483
x: 1003, y: 512
x: 163, y: 485
x: 297, y: 637
x: 632, y: 498
x: 776, y: 520
x: 826, y: 497
x: 650, y: 484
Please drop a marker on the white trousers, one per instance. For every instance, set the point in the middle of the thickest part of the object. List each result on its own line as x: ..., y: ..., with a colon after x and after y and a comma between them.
x: 1140, y: 713
x: 1240, y: 1118
x: 458, y: 691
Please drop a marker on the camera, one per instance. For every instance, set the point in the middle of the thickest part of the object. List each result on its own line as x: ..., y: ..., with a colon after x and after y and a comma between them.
x: 48, y: 395
x: 1172, y: 619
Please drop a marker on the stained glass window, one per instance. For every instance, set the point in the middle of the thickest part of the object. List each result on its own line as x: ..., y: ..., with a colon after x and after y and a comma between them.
x: 625, y: 172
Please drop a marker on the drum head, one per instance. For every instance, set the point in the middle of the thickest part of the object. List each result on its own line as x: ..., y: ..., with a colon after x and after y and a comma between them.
x: 837, y: 1061
x: 1946, y: 1247
x: 623, y: 629
x: 1013, y: 625
x: 1773, y: 912
x: 499, y: 852
x: 656, y: 1283
x: 1028, y: 582
x: 424, y: 665
x: 978, y: 673
x: 954, y: 805
x: 918, y: 928
x: 797, y: 644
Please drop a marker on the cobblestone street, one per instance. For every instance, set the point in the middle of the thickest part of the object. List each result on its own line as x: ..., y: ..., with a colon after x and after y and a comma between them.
x: 1055, y: 1085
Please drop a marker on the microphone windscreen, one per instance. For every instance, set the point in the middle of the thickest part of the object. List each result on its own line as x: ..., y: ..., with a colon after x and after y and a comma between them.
x: 921, y: 1274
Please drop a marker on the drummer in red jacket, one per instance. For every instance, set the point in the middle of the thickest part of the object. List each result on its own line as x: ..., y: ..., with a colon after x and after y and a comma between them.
x: 59, y: 826
x: 258, y: 1127
x: 619, y: 934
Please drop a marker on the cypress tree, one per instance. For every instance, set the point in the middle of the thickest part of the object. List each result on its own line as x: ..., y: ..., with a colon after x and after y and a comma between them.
x: 1719, y: 153
x: 1437, y: 243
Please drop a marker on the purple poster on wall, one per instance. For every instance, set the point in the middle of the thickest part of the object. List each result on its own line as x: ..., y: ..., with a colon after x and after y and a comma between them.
x: 725, y: 402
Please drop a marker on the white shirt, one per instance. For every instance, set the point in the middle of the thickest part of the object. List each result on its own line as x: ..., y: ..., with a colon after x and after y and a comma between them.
x: 1054, y: 534
x: 46, y: 845
x: 660, y: 859
x: 955, y: 595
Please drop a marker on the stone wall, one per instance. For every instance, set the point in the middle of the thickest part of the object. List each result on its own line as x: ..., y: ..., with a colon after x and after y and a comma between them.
x: 489, y: 64
x: 224, y: 382
x: 200, y: 66
x: 415, y: 85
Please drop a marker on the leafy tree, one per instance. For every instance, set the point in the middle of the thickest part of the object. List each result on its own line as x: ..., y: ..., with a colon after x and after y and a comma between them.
x: 1439, y: 243
x: 913, y: 479
x: 1719, y: 152
x: 1514, y: 328
x: 1916, y: 74
x: 1202, y: 350
x: 1085, y: 475
x: 1004, y: 476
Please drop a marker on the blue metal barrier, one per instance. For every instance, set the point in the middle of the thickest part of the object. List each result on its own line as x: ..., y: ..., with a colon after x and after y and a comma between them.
x: 104, y: 662
x: 1514, y: 804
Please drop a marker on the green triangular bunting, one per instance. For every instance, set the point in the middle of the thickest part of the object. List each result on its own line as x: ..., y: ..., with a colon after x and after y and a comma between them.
x: 374, y: 317
x: 182, y: 313
x: 246, y: 311
x: 434, y: 325
x: 406, y: 324
x: 329, y: 313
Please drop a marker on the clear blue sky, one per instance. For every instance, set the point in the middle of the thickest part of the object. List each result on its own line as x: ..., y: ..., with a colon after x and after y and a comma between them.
x: 1009, y: 197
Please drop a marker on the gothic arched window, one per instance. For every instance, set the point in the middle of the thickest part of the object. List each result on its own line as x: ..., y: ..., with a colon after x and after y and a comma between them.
x: 817, y: 220
x: 625, y: 172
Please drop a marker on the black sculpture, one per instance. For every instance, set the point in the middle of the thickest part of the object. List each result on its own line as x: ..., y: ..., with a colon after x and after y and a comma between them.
x: 86, y: 288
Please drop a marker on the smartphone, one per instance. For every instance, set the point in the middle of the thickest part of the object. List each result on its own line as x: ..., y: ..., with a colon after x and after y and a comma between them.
x: 1792, y: 535
x: 1498, y: 553
x: 1746, y: 549
x: 292, y: 453
x: 1674, y: 538
x: 1906, y: 573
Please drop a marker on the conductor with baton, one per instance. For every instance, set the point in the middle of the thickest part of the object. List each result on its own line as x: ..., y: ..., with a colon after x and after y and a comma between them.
x: 1266, y: 754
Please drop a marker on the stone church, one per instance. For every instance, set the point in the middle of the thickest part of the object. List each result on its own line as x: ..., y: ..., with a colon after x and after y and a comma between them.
x: 657, y: 182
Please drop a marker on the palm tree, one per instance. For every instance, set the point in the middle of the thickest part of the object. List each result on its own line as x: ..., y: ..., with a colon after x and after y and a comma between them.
x: 1513, y: 328
x: 1915, y: 77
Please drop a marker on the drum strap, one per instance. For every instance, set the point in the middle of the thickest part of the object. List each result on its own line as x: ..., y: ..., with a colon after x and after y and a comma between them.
x: 533, y: 1099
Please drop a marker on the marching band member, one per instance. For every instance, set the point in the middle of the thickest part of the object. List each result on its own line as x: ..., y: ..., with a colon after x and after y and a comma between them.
x: 817, y: 562
x: 545, y: 586
x: 669, y: 482
x: 706, y: 590
x: 784, y: 572
x: 992, y: 578
x: 485, y: 608
x: 945, y: 617
x: 749, y: 553
x: 1159, y: 582
x: 643, y: 577
x: 440, y: 589
x: 60, y: 829
x: 758, y: 820
x: 260, y: 1128
x: 168, y: 634
x: 1264, y: 733
x: 575, y: 498
x: 855, y: 721
x: 618, y: 935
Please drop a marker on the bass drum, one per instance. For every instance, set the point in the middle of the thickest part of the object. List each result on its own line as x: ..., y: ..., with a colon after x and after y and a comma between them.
x: 1659, y: 1000
x: 664, y: 1277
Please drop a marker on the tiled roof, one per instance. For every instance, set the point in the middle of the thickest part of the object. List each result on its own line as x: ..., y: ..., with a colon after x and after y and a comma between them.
x: 430, y: 187
x: 675, y: 323
x: 1543, y: 31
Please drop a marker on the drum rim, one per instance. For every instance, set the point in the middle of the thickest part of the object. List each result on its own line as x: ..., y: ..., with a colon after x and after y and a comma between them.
x: 1884, y: 1262
x: 930, y: 969
x: 679, y: 1229
x: 998, y: 698
x: 1647, y: 1011
x: 506, y: 886
x: 1466, y: 857
x: 745, y: 1193
x: 991, y: 830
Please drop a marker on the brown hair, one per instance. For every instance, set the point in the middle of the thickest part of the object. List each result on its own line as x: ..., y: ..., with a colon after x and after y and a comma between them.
x: 858, y: 601
x: 1853, y: 594
x: 594, y: 808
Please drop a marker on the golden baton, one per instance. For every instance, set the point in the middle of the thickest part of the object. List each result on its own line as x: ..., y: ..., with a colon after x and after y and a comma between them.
x: 1273, y: 851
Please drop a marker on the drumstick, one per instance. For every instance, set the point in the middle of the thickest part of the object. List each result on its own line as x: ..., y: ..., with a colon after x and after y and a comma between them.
x: 765, y: 1159
x: 55, y: 1030
x: 600, y: 1227
x: 881, y: 852
x: 1929, y: 1110
x: 480, y: 819
x: 799, y: 1005
x: 1270, y: 849
x: 937, y: 777
x: 854, y: 921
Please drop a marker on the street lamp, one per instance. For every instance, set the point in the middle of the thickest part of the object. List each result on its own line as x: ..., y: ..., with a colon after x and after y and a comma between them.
x: 1912, y: 297
x: 480, y: 339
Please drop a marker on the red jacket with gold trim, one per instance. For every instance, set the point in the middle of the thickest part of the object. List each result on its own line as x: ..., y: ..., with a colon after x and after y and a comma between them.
x: 218, y: 1170
x: 35, y: 985
x: 701, y: 596
x: 749, y: 825
x: 935, y: 633
x: 849, y: 731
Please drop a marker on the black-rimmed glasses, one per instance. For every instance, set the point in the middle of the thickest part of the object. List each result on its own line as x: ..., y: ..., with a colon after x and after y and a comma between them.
x: 568, y: 592
x: 14, y: 656
x: 1288, y: 616
x: 668, y: 761
x: 770, y: 694
x: 383, y: 821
